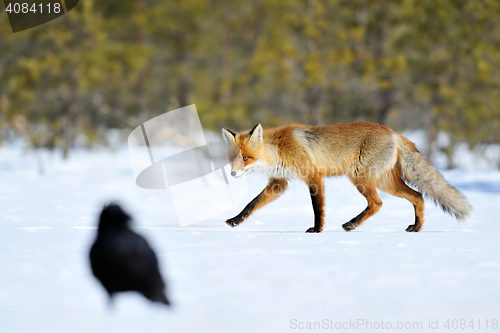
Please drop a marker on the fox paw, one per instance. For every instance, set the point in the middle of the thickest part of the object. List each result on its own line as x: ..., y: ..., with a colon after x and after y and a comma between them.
x: 413, y: 228
x: 348, y: 226
x: 234, y: 222
x: 313, y: 230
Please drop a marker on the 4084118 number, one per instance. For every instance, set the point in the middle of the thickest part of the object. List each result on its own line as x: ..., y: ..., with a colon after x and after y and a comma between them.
x: 40, y: 8
x: 471, y: 324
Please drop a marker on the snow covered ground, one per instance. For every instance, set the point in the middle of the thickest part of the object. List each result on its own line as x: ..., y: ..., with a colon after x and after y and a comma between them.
x: 266, y: 275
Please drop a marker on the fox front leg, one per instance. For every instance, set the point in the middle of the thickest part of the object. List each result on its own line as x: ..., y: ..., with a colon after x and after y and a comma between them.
x: 316, y: 190
x: 273, y: 190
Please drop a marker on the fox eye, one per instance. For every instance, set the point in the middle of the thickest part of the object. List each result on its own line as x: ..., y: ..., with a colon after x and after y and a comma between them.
x: 245, y: 158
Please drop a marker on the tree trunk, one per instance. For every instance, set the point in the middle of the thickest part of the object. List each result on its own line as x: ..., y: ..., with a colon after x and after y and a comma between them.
x: 185, y: 82
x: 450, y: 154
x: 139, y: 85
x: 386, y: 96
x: 314, y: 100
x: 67, y: 127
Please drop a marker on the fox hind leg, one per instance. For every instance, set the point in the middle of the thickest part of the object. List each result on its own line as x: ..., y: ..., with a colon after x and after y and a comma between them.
x: 374, y: 204
x: 396, y: 186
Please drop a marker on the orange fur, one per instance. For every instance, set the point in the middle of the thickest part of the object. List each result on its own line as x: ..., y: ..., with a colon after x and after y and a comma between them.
x: 371, y: 155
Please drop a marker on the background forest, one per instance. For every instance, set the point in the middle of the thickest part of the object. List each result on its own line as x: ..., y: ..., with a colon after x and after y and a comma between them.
x: 426, y: 64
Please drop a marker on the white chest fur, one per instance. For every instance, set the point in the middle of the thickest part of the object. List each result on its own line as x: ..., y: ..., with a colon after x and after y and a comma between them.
x: 272, y: 171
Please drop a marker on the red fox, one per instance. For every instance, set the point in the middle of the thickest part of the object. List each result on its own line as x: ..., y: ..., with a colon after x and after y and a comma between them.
x: 371, y: 155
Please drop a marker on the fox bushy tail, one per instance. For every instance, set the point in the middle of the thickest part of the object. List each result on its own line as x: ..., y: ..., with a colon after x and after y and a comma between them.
x: 417, y: 171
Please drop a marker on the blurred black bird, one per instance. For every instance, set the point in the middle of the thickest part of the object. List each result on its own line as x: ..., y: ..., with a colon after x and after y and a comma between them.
x: 123, y: 260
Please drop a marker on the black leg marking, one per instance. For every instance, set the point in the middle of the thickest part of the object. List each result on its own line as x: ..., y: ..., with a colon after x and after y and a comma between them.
x: 273, y: 190
x: 415, y: 227
x: 352, y: 224
x: 233, y: 222
x: 317, y: 203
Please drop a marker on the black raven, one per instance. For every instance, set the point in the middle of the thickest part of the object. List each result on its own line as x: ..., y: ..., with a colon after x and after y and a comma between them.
x: 123, y: 260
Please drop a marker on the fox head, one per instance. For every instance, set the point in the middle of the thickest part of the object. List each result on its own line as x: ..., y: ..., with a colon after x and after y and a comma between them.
x: 245, y: 150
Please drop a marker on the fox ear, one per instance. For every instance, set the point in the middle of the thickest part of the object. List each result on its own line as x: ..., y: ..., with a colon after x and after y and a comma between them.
x: 229, y: 136
x: 256, y: 135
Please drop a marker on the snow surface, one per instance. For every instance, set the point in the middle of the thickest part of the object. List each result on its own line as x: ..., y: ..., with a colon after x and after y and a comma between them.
x: 253, y: 278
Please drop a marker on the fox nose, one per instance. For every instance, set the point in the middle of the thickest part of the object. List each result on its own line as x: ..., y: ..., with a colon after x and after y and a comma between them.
x: 233, y: 173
